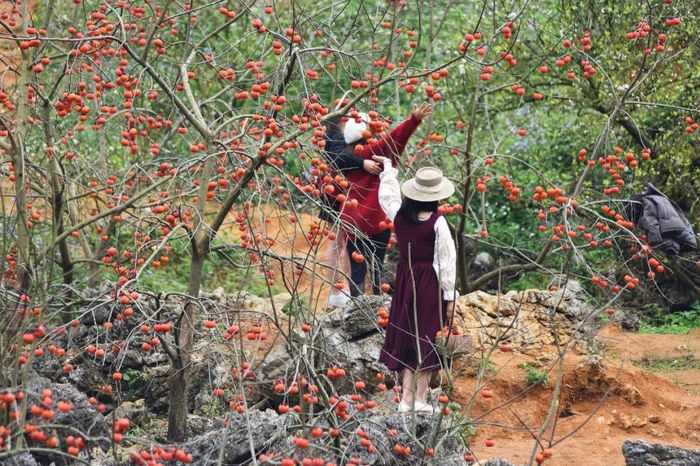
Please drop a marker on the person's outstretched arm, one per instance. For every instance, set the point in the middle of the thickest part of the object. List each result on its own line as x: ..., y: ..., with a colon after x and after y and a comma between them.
x: 389, y: 190
x: 394, y: 144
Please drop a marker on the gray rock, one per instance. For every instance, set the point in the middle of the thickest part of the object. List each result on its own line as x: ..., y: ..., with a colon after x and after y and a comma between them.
x: 21, y: 459
x: 361, y: 314
x: 479, y: 263
x: 641, y: 453
x: 630, y: 320
x: 211, y: 366
x: 199, y: 425
x: 484, y: 260
x: 88, y: 375
x: 450, y: 451
x: 136, y: 358
x: 154, y: 386
x: 334, y: 344
x: 358, y: 356
x: 264, y: 428
x: 98, y: 313
x: 498, y: 462
x: 277, y: 364
x: 105, y: 458
x: 83, y: 416
x: 135, y: 411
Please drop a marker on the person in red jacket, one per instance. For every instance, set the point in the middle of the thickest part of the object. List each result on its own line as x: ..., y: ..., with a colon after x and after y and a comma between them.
x: 364, y: 221
x: 341, y: 159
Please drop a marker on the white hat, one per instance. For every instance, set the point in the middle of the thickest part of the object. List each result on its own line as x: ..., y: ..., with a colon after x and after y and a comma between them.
x: 428, y: 185
x: 353, y: 130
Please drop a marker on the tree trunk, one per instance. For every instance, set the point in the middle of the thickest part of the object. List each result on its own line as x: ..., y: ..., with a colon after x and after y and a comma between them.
x: 177, y: 415
x: 57, y: 205
x: 64, y: 251
x: 462, y: 265
x: 23, y: 266
x: 179, y: 385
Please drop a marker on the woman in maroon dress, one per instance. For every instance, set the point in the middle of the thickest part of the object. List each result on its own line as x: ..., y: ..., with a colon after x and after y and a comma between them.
x: 424, y: 293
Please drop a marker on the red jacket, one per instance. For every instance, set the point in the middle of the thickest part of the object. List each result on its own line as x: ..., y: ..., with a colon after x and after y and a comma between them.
x: 364, y: 186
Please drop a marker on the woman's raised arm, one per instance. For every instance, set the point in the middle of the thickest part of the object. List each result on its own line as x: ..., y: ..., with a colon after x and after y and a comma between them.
x: 394, y: 144
x: 389, y: 190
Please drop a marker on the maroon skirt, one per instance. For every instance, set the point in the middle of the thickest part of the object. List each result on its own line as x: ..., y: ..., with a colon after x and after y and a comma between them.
x: 417, y: 314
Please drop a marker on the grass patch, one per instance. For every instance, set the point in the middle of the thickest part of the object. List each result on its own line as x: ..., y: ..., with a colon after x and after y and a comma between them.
x: 673, y: 323
x: 668, y: 364
x: 474, y: 365
x: 535, y: 377
x: 530, y: 280
x: 233, y: 272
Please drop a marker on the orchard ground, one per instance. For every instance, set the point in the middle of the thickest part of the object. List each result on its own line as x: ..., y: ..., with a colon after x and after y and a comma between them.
x: 665, y: 405
x: 140, y: 143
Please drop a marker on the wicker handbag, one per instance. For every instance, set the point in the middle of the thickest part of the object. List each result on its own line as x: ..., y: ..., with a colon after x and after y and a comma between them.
x: 455, y: 344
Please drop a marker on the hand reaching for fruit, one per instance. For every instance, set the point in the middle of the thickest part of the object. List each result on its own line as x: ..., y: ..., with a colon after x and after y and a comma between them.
x: 422, y: 111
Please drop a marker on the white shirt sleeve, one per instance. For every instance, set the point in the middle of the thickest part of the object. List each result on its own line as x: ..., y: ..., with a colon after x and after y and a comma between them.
x: 445, y: 260
x: 389, y: 191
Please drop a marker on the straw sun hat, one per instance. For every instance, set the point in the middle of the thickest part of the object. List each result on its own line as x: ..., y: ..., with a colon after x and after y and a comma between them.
x: 428, y: 185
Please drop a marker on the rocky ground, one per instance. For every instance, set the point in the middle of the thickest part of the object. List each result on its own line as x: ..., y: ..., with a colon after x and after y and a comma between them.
x: 615, y: 386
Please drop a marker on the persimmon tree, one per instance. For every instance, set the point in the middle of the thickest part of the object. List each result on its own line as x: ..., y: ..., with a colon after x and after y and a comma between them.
x: 135, y: 133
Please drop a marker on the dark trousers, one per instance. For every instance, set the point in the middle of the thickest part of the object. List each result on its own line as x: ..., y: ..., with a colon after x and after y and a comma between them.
x: 373, y: 249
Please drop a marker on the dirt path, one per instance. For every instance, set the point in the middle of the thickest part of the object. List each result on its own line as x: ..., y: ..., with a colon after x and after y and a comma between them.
x: 672, y: 356
x: 290, y: 242
x: 618, y: 400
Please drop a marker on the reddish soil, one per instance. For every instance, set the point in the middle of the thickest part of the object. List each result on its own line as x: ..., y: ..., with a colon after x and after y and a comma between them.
x: 605, y: 404
x: 289, y: 241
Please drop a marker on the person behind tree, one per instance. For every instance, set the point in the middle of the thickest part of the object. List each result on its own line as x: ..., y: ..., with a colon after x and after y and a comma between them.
x: 365, y: 224
x: 341, y: 158
x: 424, y: 293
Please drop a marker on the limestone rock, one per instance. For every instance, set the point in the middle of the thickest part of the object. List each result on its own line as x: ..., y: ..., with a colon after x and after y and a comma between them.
x: 484, y: 260
x: 83, y: 416
x: 199, y: 425
x: 262, y: 429
x: 377, y: 426
x: 135, y: 411
x: 21, y: 459
x: 530, y: 319
x: 361, y: 314
x: 641, y: 453
x: 348, y: 338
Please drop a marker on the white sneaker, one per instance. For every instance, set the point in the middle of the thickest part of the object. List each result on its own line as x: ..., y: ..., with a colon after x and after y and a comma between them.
x: 338, y: 300
x: 424, y: 408
x: 419, y: 408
